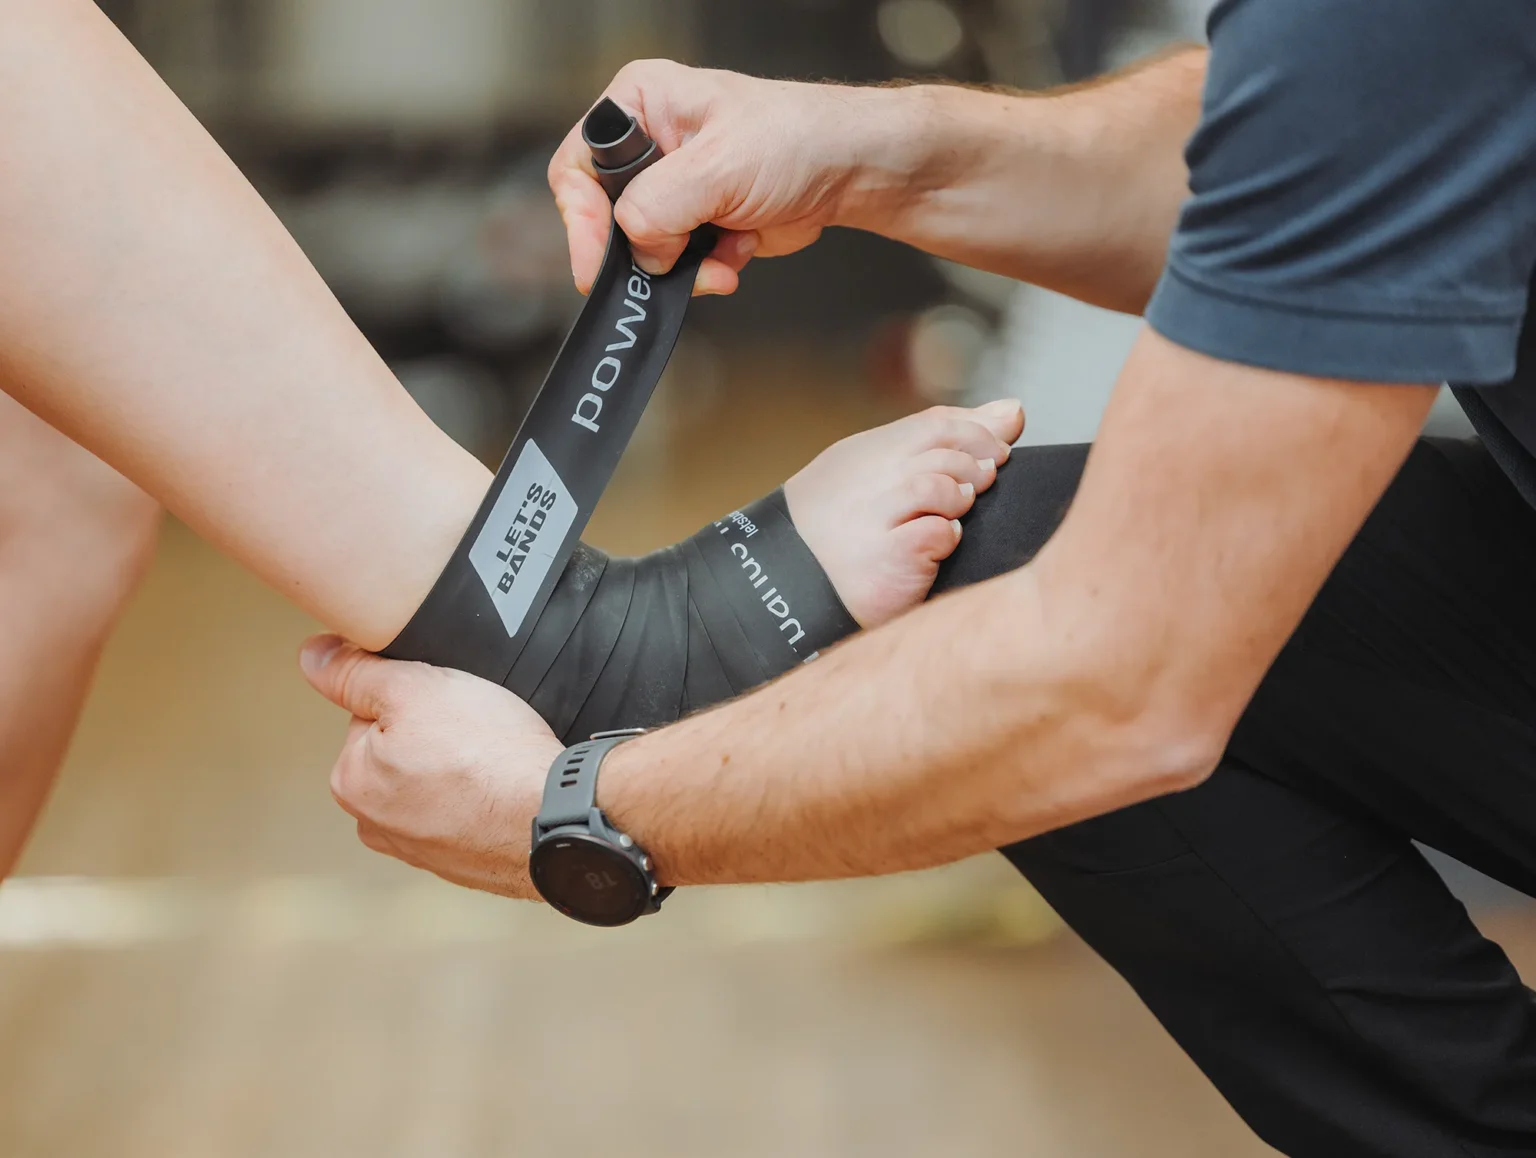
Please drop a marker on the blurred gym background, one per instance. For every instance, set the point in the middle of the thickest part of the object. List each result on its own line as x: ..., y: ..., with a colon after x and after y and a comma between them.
x: 198, y: 959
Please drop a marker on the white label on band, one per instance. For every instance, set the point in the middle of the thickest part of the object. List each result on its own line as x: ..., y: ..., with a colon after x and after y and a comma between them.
x: 517, y: 546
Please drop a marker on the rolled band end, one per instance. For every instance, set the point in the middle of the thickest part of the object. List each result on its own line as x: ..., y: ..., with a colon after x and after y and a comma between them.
x: 620, y: 147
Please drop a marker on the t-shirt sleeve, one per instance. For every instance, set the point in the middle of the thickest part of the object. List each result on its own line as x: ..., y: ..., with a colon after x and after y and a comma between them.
x: 1362, y: 190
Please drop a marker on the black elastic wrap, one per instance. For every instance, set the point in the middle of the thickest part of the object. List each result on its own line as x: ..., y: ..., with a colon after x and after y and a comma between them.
x: 484, y: 607
x: 739, y: 603
x: 593, y: 643
x: 620, y: 148
x: 644, y: 676
x: 778, y: 593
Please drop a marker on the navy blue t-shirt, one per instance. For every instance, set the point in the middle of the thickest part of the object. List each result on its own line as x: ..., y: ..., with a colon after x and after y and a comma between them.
x: 1363, y: 202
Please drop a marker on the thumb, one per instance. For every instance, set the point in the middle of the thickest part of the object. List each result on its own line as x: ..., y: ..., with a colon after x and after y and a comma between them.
x: 357, y: 680
x: 663, y: 205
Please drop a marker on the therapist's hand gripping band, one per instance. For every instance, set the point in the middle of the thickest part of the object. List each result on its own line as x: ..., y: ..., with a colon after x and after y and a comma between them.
x: 594, y: 643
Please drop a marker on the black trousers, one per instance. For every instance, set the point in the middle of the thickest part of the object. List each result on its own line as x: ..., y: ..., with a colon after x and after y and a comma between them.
x: 1278, y: 919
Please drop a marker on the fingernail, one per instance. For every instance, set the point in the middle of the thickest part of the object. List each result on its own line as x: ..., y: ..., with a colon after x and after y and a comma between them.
x: 651, y: 265
x: 988, y: 464
x: 955, y: 523
x: 316, y: 652
x: 968, y: 490
x: 746, y: 244
x: 1003, y: 407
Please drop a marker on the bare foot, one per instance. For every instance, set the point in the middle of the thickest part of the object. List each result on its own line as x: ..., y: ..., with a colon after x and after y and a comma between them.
x: 880, y: 510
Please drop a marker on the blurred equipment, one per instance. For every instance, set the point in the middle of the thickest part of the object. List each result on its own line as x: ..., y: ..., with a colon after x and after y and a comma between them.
x: 946, y: 343
x: 1082, y: 33
x: 920, y: 34
x: 415, y: 65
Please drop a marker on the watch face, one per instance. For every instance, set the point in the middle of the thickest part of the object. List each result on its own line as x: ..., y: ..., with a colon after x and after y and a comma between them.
x: 589, y: 880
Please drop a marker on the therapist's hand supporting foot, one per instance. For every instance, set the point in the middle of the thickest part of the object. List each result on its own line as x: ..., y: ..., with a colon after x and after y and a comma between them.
x: 441, y: 770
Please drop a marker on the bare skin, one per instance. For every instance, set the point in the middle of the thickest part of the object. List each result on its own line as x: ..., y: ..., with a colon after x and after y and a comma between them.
x: 75, y: 537
x: 155, y: 311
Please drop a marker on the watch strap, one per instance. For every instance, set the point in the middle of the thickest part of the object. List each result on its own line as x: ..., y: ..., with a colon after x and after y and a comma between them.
x: 570, y: 790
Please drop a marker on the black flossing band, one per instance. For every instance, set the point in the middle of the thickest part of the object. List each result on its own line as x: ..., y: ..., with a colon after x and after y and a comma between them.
x: 594, y: 643
x: 638, y: 642
x: 482, y: 610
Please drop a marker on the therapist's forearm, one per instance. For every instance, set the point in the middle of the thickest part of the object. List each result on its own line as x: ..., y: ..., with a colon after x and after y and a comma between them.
x: 1077, y: 190
x: 1111, y: 669
x: 934, y: 738
x: 154, y: 309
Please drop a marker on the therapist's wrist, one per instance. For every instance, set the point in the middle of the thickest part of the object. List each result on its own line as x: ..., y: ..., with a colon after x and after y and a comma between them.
x: 626, y: 785
x: 921, y: 146
x: 894, y: 140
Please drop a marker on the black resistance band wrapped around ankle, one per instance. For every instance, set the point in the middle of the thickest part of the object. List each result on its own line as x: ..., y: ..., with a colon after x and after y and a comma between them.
x: 595, y: 643
x: 628, y: 643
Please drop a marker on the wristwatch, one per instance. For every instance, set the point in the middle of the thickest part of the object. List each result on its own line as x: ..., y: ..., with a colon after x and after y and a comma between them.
x: 580, y: 863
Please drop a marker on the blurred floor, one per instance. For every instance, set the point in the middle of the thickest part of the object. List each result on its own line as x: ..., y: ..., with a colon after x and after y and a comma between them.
x: 812, y: 1050
x: 203, y: 963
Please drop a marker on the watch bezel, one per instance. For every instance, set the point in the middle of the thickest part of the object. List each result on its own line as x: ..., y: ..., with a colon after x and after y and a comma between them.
x: 625, y: 861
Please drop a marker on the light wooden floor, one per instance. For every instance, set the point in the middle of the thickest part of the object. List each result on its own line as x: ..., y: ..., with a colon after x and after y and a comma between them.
x: 200, y: 962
